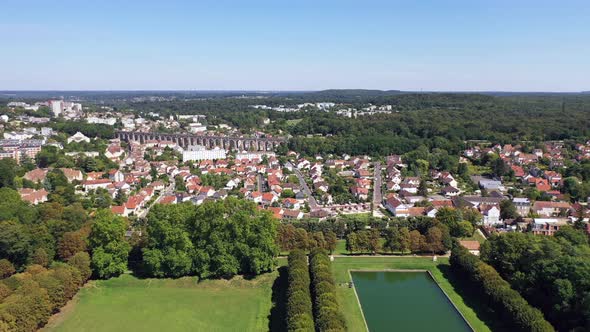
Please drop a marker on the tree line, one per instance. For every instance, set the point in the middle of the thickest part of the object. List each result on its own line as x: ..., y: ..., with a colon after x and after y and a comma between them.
x: 551, y: 272
x: 290, y: 238
x: 508, y: 303
x: 29, y: 298
x: 325, y: 306
x: 299, y: 305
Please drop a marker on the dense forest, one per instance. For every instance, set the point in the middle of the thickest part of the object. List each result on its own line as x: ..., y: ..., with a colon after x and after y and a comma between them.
x: 433, y: 120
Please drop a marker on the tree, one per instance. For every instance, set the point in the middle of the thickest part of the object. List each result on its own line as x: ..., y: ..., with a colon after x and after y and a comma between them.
x: 286, y: 237
x: 8, y: 167
x: 81, y: 261
x: 71, y: 243
x: 6, y: 268
x: 352, y: 242
x: 40, y: 257
x: 120, y: 198
x: 417, y: 241
x: 398, y: 239
x: 108, y: 245
x: 331, y: 241
x: 434, y: 240
x: 15, y: 242
x: 317, y: 240
x: 450, y: 217
x: 508, y: 210
x: 216, y: 239
x: 423, y: 189
x: 572, y: 235
x: 465, y: 229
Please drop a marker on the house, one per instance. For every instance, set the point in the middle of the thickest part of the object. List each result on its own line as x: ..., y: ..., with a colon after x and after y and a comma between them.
x: 542, y: 185
x: 397, y: 207
x: 113, y: 151
x: 292, y: 214
x: 78, y: 138
x: 431, y: 211
x: 72, y: 174
x: 118, y: 210
x: 416, y: 211
x: 255, y: 196
x: 269, y: 198
x: 523, y: 205
x: 322, y: 186
x: 134, y: 203
x: 169, y: 199
x: 33, y: 196
x: 472, y: 246
x: 116, y: 176
x: 291, y: 203
x: 36, y: 175
x: 547, y: 226
x: 360, y: 193
x: 491, y: 214
x: 95, y: 184
x: 550, y: 209
x: 450, y: 191
x: 489, y: 184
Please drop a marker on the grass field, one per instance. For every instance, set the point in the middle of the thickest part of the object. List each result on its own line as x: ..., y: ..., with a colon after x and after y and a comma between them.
x: 479, y: 320
x: 130, y: 304
x: 127, y: 303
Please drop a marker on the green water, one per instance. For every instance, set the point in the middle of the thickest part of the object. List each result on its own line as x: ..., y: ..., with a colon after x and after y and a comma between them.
x: 405, y: 301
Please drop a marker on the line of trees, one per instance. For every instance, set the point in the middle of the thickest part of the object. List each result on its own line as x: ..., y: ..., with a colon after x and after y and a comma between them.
x: 299, y: 307
x: 509, y: 303
x: 28, y: 299
x: 326, y: 310
x: 551, y: 272
x: 289, y: 237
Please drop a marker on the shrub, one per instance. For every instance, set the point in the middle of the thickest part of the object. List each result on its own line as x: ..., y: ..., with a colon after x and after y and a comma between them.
x: 299, y: 307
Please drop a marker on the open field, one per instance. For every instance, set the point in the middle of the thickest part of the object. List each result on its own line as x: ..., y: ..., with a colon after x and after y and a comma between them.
x: 127, y: 303
x: 130, y: 304
x: 479, y: 320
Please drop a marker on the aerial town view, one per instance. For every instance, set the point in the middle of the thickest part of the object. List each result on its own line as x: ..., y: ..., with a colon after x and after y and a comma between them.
x: 295, y: 166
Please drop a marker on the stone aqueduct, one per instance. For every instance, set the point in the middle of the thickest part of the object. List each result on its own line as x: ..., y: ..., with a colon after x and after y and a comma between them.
x: 224, y: 142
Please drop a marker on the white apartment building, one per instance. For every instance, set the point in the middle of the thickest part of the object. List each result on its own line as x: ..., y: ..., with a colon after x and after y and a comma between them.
x: 199, y: 152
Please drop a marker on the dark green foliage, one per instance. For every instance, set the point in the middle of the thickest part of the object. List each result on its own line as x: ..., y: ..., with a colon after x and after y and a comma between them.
x: 550, y: 272
x: 8, y: 168
x: 108, y: 245
x: 216, y: 239
x: 299, y: 307
x: 327, y: 313
x: 506, y: 301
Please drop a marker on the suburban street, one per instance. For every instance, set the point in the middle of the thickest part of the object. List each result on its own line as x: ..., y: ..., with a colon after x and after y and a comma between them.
x: 377, y: 190
x: 167, y: 191
x: 313, y: 204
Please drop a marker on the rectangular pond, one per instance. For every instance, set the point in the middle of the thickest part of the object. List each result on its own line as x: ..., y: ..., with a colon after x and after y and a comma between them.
x: 405, y: 301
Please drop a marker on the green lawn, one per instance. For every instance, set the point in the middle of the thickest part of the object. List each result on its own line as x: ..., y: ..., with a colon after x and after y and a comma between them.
x: 439, y: 270
x: 130, y: 304
x: 476, y: 237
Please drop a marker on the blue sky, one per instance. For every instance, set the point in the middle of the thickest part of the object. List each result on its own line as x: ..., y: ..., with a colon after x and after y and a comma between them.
x: 295, y: 45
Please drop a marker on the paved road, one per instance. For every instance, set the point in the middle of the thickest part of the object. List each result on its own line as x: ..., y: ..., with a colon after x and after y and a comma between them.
x: 167, y: 191
x: 377, y: 185
x: 259, y: 180
x: 313, y: 204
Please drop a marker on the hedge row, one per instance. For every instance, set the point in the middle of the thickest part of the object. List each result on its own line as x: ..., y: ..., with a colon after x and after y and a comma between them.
x: 506, y: 301
x: 28, y: 299
x: 326, y: 311
x: 299, y: 308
